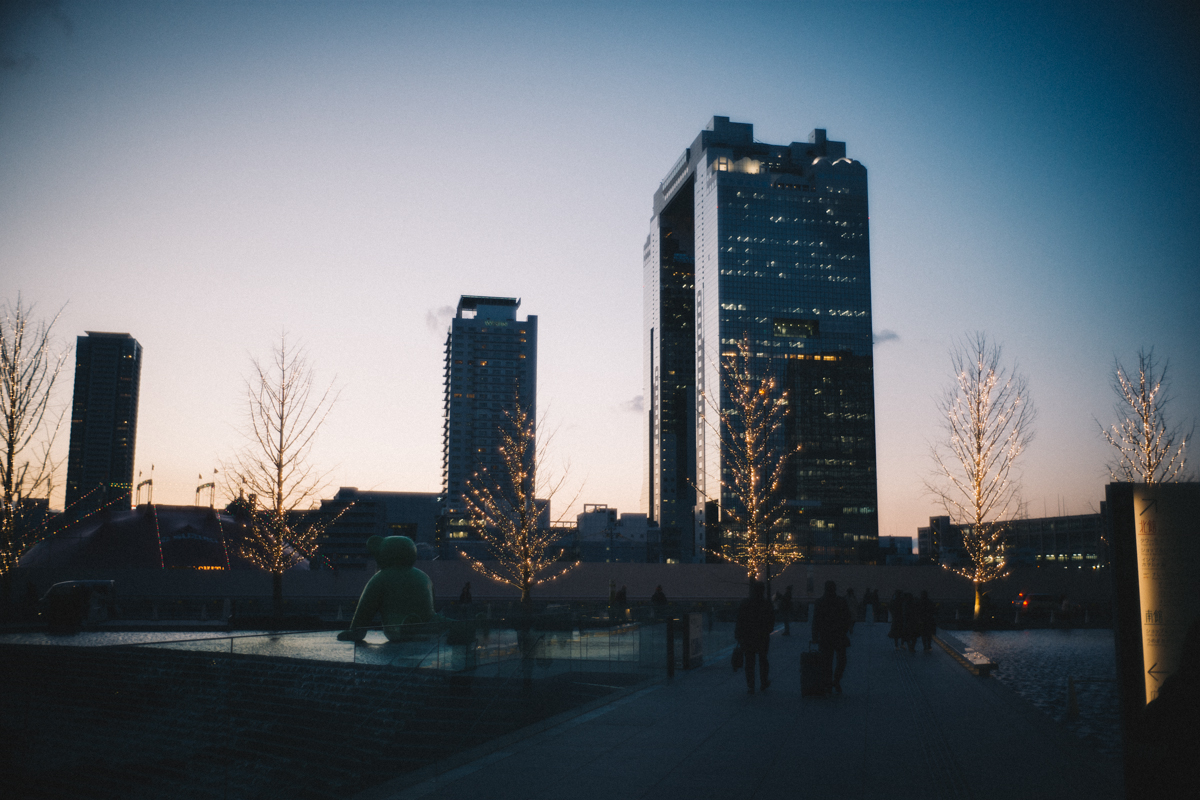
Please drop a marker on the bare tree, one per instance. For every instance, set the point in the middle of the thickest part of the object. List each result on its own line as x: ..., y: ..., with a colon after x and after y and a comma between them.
x: 504, y: 510
x: 1148, y: 449
x: 750, y: 431
x: 988, y: 421
x: 273, y: 474
x: 29, y: 366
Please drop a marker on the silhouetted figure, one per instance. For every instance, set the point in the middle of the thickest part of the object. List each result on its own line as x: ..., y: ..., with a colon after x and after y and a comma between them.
x: 622, y: 598
x: 896, y: 608
x: 755, y: 621
x: 464, y: 596
x: 852, y: 604
x: 871, y: 603
x: 911, y: 626
x: 831, y: 631
x: 658, y: 598
x: 399, y: 592
x: 783, y: 608
x: 926, y: 620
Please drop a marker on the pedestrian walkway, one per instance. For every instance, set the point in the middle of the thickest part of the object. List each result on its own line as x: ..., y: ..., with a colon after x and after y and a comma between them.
x: 908, y: 726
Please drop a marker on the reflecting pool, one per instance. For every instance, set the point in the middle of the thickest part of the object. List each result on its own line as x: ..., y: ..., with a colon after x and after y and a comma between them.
x: 1038, y: 664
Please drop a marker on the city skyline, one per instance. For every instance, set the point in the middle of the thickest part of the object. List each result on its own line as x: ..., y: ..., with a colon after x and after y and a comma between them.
x: 203, y: 177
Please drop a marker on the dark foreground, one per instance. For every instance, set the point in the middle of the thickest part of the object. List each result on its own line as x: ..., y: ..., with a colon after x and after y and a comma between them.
x: 907, y: 726
x: 149, y: 723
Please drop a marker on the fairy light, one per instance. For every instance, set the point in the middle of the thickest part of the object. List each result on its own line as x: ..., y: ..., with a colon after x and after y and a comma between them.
x: 158, y: 537
x: 221, y: 535
x: 284, y: 419
x: 749, y: 431
x: 1149, y: 451
x: 988, y: 419
x: 504, y: 512
x: 29, y: 368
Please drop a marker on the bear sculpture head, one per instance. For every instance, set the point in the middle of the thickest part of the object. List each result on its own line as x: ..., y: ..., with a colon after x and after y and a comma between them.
x: 392, y: 551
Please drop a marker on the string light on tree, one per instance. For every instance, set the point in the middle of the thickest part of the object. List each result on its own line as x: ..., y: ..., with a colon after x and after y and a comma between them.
x: 751, y: 434
x: 273, y: 473
x: 988, y: 421
x: 1149, y: 450
x: 503, y: 510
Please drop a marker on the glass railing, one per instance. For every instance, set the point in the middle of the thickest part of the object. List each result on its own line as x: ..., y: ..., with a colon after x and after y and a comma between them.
x: 282, y: 707
x: 551, y: 642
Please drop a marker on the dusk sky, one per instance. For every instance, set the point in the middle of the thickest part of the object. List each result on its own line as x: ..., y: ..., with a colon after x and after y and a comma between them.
x: 205, y: 175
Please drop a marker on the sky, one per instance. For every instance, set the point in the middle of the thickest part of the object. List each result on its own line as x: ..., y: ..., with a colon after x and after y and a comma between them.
x: 206, y: 176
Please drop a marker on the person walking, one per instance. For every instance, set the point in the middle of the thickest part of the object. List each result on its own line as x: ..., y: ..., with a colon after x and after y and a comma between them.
x: 926, y: 620
x: 911, y: 627
x: 831, y: 631
x: 784, y: 609
x: 755, y: 621
x: 896, y: 608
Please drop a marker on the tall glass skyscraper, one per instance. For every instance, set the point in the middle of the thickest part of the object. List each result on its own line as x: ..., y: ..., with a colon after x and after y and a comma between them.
x: 491, y: 367
x: 768, y: 242
x: 108, y: 370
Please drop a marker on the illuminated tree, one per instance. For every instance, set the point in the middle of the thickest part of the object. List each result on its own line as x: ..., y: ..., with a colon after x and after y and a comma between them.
x: 504, y: 511
x: 751, y: 433
x: 988, y: 421
x: 29, y: 367
x: 273, y: 474
x: 1149, y: 450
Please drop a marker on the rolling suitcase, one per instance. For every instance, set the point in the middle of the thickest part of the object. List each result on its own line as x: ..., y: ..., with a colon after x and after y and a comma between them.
x: 816, y: 672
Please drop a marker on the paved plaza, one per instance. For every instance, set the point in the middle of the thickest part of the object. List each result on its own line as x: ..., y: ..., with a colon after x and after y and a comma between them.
x: 908, y: 726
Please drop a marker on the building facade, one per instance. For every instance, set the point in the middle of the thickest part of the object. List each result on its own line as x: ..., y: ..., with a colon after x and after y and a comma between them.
x: 601, y: 534
x: 352, y: 516
x: 491, y: 370
x: 108, y: 368
x: 770, y: 243
x: 1075, y: 540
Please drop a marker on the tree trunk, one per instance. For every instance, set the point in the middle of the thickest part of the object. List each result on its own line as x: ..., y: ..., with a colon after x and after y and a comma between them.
x: 978, y: 602
x: 277, y: 595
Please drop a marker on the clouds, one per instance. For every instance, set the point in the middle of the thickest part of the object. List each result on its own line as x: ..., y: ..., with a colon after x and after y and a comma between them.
x: 438, y: 320
x: 885, y: 335
x: 634, y: 405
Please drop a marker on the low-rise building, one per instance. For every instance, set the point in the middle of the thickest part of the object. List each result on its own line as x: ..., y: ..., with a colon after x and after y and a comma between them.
x: 1069, y: 541
x: 601, y: 534
x: 351, y: 517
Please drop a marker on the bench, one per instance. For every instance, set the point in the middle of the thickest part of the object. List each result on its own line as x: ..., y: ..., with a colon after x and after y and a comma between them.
x: 977, y: 663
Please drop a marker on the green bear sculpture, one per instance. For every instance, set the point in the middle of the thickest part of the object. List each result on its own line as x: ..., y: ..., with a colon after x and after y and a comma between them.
x: 399, y: 592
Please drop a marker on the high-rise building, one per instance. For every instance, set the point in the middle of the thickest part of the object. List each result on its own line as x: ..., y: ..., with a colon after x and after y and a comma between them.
x: 491, y: 369
x: 767, y: 242
x: 108, y: 369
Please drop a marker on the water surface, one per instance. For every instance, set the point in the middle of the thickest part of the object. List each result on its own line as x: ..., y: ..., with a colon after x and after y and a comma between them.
x: 1037, y: 665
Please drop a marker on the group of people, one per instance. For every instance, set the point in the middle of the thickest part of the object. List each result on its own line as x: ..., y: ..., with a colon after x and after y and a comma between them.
x: 912, y: 618
x: 833, y: 620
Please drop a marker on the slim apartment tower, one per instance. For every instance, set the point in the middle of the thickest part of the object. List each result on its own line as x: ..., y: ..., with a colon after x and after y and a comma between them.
x: 768, y: 242
x: 108, y: 368
x: 491, y: 367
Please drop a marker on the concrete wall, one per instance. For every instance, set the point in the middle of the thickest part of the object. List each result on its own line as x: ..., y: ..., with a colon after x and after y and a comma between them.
x: 591, y: 582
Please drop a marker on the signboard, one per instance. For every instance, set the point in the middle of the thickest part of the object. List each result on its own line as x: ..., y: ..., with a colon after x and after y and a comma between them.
x: 1167, y: 539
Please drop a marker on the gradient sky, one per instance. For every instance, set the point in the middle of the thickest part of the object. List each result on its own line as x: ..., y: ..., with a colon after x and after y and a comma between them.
x: 205, y: 175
